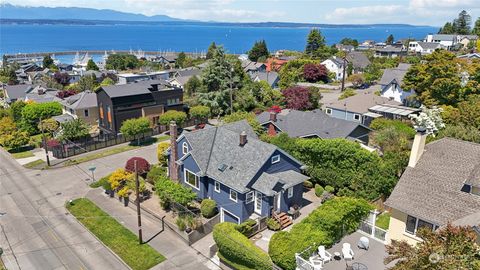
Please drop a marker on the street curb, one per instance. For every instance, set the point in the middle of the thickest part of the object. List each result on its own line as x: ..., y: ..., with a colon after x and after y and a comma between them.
x: 111, y: 251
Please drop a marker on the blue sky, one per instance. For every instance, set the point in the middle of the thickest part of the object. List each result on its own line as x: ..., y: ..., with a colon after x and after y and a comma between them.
x: 419, y: 12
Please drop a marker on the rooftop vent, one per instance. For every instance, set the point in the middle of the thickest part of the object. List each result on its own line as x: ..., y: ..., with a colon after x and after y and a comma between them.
x: 222, y: 167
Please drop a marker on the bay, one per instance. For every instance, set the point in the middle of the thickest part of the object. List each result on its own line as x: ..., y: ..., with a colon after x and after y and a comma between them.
x: 27, y: 38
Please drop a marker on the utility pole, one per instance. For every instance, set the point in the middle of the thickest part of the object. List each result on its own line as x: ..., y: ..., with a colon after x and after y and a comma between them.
x: 45, y: 146
x: 231, y: 90
x: 139, y: 216
x: 344, y: 67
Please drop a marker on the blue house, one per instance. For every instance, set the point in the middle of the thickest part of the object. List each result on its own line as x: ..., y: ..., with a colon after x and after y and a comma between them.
x: 247, y: 178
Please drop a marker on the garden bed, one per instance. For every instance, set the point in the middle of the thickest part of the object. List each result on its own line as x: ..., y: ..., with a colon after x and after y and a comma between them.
x: 118, y: 238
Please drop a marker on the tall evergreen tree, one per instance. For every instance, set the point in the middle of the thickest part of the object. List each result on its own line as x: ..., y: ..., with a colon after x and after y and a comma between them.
x: 91, y: 65
x: 390, y: 40
x: 462, y: 23
x: 476, y: 27
x: 259, y: 50
x: 447, y: 29
x: 315, y: 41
x: 180, y: 62
x: 47, y: 61
x: 211, y: 50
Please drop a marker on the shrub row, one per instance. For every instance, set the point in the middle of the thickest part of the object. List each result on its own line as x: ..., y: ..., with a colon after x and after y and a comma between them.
x: 237, y: 249
x: 324, y: 226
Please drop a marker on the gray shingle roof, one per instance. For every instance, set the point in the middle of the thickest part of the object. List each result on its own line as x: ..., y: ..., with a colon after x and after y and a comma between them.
x: 17, y: 91
x: 132, y: 89
x: 361, y: 102
x: 444, y: 37
x: 396, y: 74
x: 358, y: 59
x: 429, y: 45
x: 212, y: 147
x: 432, y: 190
x: 316, y: 122
x: 270, y: 77
x: 83, y: 100
x: 267, y: 183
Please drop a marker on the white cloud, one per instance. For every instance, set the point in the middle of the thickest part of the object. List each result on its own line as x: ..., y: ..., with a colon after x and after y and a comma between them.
x: 441, y: 3
x: 365, y: 14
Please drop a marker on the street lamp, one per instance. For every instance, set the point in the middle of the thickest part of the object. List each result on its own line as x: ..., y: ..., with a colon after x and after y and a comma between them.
x: 92, y: 168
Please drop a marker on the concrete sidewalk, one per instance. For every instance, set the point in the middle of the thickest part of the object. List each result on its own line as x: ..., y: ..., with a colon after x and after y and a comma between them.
x: 179, y: 255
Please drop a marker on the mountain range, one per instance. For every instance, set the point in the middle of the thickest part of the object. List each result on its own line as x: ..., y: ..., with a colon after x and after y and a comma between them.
x: 9, y: 11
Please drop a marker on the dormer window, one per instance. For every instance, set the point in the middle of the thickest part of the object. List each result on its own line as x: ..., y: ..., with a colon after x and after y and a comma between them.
x: 184, y: 148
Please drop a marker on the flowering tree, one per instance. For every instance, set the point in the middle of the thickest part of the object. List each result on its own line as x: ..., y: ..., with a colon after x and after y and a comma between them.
x: 430, y: 119
x: 297, y: 98
x: 315, y: 72
x: 142, y: 165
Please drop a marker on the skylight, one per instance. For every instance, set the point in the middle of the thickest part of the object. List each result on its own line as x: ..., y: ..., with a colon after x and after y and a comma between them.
x: 222, y: 167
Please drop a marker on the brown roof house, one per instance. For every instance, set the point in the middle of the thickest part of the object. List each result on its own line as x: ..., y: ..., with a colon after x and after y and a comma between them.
x: 440, y: 185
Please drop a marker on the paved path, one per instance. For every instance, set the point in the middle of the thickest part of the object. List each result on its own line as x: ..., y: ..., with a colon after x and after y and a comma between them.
x: 179, y: 255
x: 36, y: 231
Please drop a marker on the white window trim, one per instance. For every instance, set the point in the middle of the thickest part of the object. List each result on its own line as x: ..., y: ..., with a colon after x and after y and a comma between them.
x: 236, y: 195
x: 275, y: 159
x: 359, y: 117
x: 215, y: 186
x: 197, y: 178
x: 290, y: 192
x: 222, y: 215
x: 328, y: 111
x: 184, y: 146
x: 414, y: 234
x: 251, y: 197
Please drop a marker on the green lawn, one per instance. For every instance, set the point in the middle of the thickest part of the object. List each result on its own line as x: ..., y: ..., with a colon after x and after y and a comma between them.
x: 118, y: 238
x: 383, y: 220
x: 23, y: 154
x: 37, y: 164
x: 113, y: 151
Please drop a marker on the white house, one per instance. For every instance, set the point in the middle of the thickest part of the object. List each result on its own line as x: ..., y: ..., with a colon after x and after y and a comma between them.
x: 391, y: 83
x: 448, y: 41
x: 335, y: 65
x: 423, y: 48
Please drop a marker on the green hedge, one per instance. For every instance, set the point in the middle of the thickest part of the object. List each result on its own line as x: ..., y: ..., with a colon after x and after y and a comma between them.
x: 324, y: 226
x: 246, y: 227
x: 236, y: 248
x: 319, y: 190
x: 208, y: 208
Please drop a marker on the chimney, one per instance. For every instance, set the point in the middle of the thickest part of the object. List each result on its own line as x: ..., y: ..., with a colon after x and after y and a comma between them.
x: 243, y: 138
x: 273, y: 116
x: 417, y: 147
x: 173, y: 167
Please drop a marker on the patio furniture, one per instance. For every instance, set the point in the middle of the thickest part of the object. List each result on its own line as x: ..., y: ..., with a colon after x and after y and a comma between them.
x: 324, y: 255
x: 337, y: 255
x: 347, y: 251
x: 363, y: 243
x: 357, y: 266
x: 316, y: 262
x: 294, y: 213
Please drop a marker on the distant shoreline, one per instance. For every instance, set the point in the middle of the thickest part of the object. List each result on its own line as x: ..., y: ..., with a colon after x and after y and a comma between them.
x: 200, y: 23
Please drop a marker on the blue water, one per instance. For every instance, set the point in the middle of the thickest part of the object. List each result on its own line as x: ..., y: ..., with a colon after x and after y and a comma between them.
x: 189, y: 38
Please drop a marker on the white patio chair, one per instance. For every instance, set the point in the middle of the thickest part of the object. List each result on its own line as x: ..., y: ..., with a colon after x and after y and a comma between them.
x: 316, y: 262
x: 324, y: 255
x: 347, y: 251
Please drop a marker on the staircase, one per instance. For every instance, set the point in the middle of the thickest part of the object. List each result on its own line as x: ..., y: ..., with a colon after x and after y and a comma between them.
x: 283, y: 219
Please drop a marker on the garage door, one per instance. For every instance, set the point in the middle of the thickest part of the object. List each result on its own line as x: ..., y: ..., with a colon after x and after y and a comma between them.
x: 229, y: 217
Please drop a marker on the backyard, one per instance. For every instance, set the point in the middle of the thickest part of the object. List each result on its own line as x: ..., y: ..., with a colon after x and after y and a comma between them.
x: 118, y: 238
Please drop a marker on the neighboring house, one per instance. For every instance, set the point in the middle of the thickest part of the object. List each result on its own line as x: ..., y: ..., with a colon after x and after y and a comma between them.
x: 247, y: 177
x: 466, y: 39
x: 117, y: 103
x: 447, y: 41
x: 65, y: 67
x: 126, y: 78
x: 358, y: 60
x: 168, y: 59
x: 470, y: 56
x: 391, y: 83
x: 390, y: 51
x: 275, y: 64
x: 252, y: 67
x: 27, y: 92
x: 441, y: 184
x: 270, y: 77
x: 181, y: 77
x: 82, y: 106
x: 312, y: 124
x: 355, y: 108
x: 335, y: 65
x: 345, y: 48
x: 393, y: 111
x: 424, y: 48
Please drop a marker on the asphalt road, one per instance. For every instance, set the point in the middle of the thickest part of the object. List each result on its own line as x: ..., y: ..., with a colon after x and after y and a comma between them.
x: 37, y: 232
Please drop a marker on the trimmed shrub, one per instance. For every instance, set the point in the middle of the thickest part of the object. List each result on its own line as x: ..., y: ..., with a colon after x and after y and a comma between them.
x: 329, y: 189
x: 273, y: 225
x: 318, y: 190
x: 208, y: 208
x: 308, y: 184
x: 142, y: 165
x: 155, y: 173
x: 172, y: 115
x: 161, y: 148
x: 246, y: 227
x: 324, y: 226
x: 236, y: 248
x: 169, y: 191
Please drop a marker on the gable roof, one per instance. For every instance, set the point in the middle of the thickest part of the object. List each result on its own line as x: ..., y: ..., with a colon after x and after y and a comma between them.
x: 361, y: 102
x: 429, y: 45
x: 269, y: 183
x: 432, y: 189
x: 444, y: 37
x: 17, y: 91
x: 270, y: 77
x: 337, y: 61
x: 217, y: 146
x: 358, y: 60
x: 83, y: 100
x: 397, y: 74
x: 470, y: 56
x: 302, y: 124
